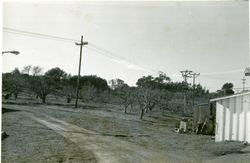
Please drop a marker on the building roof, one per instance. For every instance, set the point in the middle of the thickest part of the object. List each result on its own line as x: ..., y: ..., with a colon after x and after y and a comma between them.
x: 232, y: 96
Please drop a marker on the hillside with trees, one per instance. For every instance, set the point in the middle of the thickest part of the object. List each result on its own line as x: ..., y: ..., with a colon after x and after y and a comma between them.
x: 150, y: 93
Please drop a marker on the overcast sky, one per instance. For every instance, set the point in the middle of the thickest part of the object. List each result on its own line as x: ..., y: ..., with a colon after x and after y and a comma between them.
x: 130, y: 39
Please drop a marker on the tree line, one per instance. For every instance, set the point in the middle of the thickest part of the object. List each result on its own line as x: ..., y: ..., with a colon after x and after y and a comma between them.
x: 54, y: 81
x: 149, y: 93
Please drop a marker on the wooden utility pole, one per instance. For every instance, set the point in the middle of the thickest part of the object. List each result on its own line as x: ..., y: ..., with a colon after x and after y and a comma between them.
x: 185, y: 74
x: 195, y: 75
x: 243, y: 82
x: 79, y: 70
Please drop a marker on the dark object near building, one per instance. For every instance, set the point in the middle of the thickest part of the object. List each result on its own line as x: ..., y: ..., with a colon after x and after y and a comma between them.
x: 4, y: 135
x: 204, y: 119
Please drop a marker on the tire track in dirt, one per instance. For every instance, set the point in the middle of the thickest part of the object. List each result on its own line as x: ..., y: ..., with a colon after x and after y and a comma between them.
x: 106, y: 148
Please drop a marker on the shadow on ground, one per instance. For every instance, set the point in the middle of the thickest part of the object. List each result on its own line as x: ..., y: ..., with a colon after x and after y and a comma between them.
x: 5, y: 110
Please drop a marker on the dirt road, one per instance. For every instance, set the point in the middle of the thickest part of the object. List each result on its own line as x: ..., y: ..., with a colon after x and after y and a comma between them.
x: 107, y: 148
x: 29, y: 141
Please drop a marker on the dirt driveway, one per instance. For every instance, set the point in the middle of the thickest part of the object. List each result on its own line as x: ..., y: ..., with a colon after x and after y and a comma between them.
x: 106, y: 148
x: 30, y: 141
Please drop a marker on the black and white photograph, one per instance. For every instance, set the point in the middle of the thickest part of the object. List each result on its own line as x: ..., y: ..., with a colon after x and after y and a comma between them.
x: 126, y: 81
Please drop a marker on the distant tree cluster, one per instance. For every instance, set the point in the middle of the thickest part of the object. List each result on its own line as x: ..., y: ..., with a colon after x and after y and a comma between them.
x: 227, y: 89
x: 55, y: 81
x: 154, y: 92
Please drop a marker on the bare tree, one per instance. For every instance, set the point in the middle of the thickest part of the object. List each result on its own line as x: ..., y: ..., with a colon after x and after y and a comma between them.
x: 36, y: 70
x: 147, y: 99
x: 48, y: 83
x: 125, y: 93
x: 42, y: 86
x: 133, y: 96
x: 116, y: 83
x: 27, y: 69
x: 69, y: 92
x: 88, y: 92
x: 105, y: 97
x: 13, y: 83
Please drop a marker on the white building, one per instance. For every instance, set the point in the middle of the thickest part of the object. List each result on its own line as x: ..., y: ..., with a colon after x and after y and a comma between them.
x: 233, y: 118
x: 233, y: 115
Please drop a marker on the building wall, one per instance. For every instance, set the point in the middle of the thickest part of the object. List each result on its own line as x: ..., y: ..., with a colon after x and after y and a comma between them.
x: 233, y: 118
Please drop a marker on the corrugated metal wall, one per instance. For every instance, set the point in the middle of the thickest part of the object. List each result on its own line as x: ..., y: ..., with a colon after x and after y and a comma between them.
x: 233, y: 118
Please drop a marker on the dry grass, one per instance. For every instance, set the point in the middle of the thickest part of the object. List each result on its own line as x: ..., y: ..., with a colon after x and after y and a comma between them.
x: 154, y: 132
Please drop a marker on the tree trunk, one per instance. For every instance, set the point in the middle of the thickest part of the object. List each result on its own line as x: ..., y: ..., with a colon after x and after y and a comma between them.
x: 68, y: 99
x: 125, y: 106
x: 131, y: 106
x: 142, y: 113
x: 43, y: 99
x: 125, y: 109
x: 152, y: 106
x: 146, y: 108
x: 142, y: 107
x: 16, y: 95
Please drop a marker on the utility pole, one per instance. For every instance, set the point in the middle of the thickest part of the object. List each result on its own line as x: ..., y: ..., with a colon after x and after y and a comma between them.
x: 195, y: 75
x: 185, y: 74
x: 79, y: 70
x: 243, y: 82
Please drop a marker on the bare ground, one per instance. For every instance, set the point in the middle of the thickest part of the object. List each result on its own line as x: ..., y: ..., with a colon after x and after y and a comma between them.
x: 50, y: 133
x: 30, y: 141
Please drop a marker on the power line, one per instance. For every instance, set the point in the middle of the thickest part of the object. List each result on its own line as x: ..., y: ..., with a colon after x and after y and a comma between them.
x: 103, y: 53
x: 91, y: 46
x: 46, y: 36
x: 222, y: 72
x: 38, y: 35
x: 116, y: 57
x: 97, y: 49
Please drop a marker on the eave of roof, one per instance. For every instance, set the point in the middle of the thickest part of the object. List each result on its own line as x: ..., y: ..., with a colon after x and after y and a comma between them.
x: 232, y: 96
